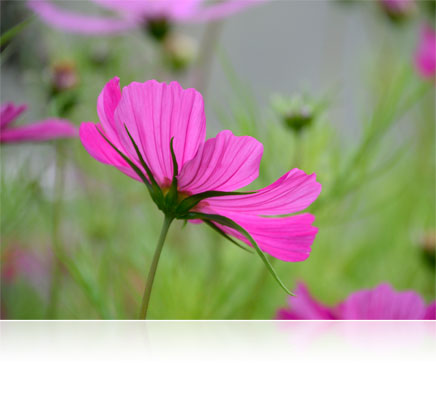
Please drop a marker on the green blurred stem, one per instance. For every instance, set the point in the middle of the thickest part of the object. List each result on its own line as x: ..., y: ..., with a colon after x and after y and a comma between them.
x: 153, y: 267
x: 204, y: 63
x: 56, y: 242
x: 298, y: 149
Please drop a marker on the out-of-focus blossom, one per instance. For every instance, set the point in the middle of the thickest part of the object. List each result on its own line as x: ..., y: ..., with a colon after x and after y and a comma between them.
x: 382, y: 302
x: 21, y: 263
x: 398, y: 10
x: 48, y: 129
x: 200, y: 185
x: 425, y: 56
x: 155, y: 15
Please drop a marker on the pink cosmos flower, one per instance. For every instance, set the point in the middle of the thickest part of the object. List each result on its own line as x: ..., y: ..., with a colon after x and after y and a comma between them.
x: 52, y: 128
x: 130, y: 14
x: 425, y: 56
x: 193, y: 179
x: 382, y: 302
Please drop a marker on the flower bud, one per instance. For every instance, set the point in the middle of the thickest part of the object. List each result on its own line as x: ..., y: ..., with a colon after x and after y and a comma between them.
x: 296, y: 113
x: 158, y: 28
x: 427, y: 244
x: 398, y: 10
x: 179, y: 51
x: 64, y: 77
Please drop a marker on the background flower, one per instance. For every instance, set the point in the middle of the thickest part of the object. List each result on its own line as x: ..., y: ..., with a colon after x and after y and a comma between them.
x: 382, y: 302
x: 48, y: 129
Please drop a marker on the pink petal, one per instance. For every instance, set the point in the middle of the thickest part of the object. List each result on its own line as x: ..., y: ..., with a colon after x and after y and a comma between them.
x: 291, y: 193
x: 303, y: 306
x: 154, y: 113
x: 171, y: 9
x: 107, y: 102
x: 223, y: 9
x: 425, y: 56
x: 48, y: 129
x: 430, y: 313
x: 10, y: 112
x: 288, y: 238
x: 98, y: 148
x: 224, y: 163
x: 383, y: 303
x: 78, y: 23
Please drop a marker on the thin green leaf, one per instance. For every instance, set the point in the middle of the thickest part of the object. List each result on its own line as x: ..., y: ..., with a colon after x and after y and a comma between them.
x: 14, y: 31
x: 231, y: 224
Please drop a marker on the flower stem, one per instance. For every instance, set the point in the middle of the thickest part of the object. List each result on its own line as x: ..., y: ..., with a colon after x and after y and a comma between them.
x: 153, y: 267
x: 56, y: 241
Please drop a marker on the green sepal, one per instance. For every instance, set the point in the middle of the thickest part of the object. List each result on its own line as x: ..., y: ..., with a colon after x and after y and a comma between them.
x: 171, y: 197
x: 158, y: 197
x: 191, y: 201
x: 222, y: 233
x: 231, y: 224
x: 127, y: 160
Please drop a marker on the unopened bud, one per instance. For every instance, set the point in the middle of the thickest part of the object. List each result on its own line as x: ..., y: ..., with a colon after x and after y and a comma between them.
x: 179, y: 51
x: 428, y: 247
x: 296, y: 113
x: 398, y: 10
x: 158, y: 28
x: 64, y: 77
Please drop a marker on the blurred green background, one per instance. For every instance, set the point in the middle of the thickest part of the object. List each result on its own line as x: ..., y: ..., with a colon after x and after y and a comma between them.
x: 371, y: 143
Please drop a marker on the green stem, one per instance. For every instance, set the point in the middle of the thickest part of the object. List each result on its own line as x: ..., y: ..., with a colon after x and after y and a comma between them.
x: 298, y: 149
x: 203, y: 69
x: 56, y: 242
x: 153, y: 267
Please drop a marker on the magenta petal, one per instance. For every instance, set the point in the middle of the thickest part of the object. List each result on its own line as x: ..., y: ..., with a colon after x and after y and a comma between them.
x: 78, y: 23
x: 154, y: 113
x: 98, y: 148
x: 291, y: 193
x: 171, y: 9
x: 10, y: 112
x: 224, y: 163
x: 107, y: 102
x: 430, y: 312
x: 48, y: 129
x: 303, y: 306
x: 288, y: 238
x: 425, y: 56
x: 383, y: 303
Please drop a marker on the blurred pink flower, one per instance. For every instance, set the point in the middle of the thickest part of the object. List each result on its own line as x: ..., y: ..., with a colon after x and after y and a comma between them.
x: 19, y: 262
x: 382, y: 302
x: 425, y: 56
x: 154, y: 113
x: 130, y: 14
x: 51, y: 128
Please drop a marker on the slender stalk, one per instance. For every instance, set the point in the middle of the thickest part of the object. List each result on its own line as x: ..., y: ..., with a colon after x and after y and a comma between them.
x: 298, y: 149
x: 56, y: 242
x: 153, y: 267
x: 203, y: 69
